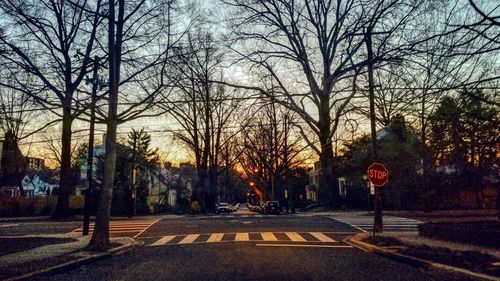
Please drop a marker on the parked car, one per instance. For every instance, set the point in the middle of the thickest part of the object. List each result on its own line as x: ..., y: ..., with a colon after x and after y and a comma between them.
x: 272, y: 207
x: 222, y: 208
x: 262, y: 208
x: 253, y: 208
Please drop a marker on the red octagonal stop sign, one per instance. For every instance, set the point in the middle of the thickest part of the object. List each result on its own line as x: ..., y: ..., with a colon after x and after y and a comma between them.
x: 378, y: 174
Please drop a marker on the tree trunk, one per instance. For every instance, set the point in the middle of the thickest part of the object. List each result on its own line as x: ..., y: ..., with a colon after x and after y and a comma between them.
x: 100, y: 237
x: 62, y: 206
x: 201, y: 186
x: 328, y: 194
x: 212, y: 191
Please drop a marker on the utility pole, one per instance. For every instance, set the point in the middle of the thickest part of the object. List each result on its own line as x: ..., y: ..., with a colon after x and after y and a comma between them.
x: 90, y: 155
x: 377, y: 221
x: 133, y: 192
x: 287, y: 163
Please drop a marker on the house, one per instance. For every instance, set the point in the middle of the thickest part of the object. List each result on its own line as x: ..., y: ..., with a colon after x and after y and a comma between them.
x: 35, y: 184
x: 34, y: 163
x: 398, y: 148
x: 313, y: 186
x: 165, y: 184
x: 25, y: 173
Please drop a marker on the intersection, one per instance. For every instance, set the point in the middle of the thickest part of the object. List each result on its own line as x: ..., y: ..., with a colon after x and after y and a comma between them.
x: 249, y: 246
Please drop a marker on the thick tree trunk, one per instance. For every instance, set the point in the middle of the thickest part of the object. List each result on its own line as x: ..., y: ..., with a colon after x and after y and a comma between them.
x: 328, y: 194
x: 201, y: 184
x: 62, y: 206
x: 212, y: 191
x: 426, y: 167
x: 100, y: 237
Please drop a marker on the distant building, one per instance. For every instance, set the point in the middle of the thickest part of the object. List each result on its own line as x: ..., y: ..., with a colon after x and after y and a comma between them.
x: 313, y: 186
x: 34, y: 185
x: 31, y: 182
x: 34, y: 164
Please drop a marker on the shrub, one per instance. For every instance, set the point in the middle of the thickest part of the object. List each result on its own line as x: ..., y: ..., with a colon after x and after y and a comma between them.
x: 36, y: 206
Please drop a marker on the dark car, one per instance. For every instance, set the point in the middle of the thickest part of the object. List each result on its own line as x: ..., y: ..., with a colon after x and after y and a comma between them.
x: 272, y: 207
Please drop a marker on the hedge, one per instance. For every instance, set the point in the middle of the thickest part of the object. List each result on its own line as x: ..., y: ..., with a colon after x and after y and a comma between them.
x: 36, y: 206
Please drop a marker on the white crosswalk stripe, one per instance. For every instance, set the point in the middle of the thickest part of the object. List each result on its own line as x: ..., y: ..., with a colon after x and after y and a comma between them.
x: 268, y: 236
x: 164, y: 240
x: 189, y: 239
x: 216, y: 237
x: 296, y: 237
x: 321, y: 237
x: 390, y: 223
x: 242, y: 237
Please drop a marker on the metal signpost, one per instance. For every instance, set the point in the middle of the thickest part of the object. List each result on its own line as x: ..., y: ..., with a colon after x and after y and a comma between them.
x: 378, y: 176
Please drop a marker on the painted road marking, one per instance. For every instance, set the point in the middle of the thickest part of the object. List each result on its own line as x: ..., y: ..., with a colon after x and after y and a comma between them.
x: 136, y: 227
x: 391, y: 223
x: 164, y: 240
x: 302, y: 245
x: 142, y: 231
x: 189, y: 239
x: 216, y: 237
x: 294, y: 236
x: 9, y: 225
x: 321, y: 237
x: 268, y: 236
x: 241, y: 237
x: 245, y: 237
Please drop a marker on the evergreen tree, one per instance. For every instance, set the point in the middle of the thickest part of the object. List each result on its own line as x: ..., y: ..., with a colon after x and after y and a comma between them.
x: 13, y: 165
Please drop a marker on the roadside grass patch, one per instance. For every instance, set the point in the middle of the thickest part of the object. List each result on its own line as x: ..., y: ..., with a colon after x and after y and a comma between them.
x: 470, y: 260
x: 13, y: 245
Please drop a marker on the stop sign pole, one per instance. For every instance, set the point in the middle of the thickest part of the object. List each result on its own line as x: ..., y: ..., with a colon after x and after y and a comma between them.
x: 378, y: 176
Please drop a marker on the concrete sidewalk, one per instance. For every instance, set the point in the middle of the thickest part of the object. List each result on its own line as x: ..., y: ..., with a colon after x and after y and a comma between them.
x: 30, y: 263
x: 440, y: 215
x: 80, y: 218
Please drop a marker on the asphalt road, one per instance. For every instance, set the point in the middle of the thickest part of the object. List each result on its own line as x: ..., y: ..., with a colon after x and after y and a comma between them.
x: 249, y: 247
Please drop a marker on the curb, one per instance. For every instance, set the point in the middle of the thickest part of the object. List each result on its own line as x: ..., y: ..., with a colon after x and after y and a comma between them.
x: 413, y: 261
x: 59, y: 268
x: 23, y: 219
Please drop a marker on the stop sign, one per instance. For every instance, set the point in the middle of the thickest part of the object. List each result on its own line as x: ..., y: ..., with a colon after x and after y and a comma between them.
x: 378, y: 174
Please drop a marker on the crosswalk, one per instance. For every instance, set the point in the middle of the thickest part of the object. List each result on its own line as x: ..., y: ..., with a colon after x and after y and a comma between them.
x: 232, y: 216
x: 129, y: 228
x: 316, y: 237
x: 390, y: 223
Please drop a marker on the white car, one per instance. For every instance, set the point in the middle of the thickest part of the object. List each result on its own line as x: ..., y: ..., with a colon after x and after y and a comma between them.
x: 222, y: 208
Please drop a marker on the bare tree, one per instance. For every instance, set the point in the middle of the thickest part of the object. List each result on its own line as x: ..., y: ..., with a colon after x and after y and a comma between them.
x: 392, y: 96
x: 269, y: 149
x: 203, y: 109
x: 139, y: 41
x: 43, y: 38
x: 312, y: 50
x: 52, y: 149
x: 17, y: 122
x: 482, y: 24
